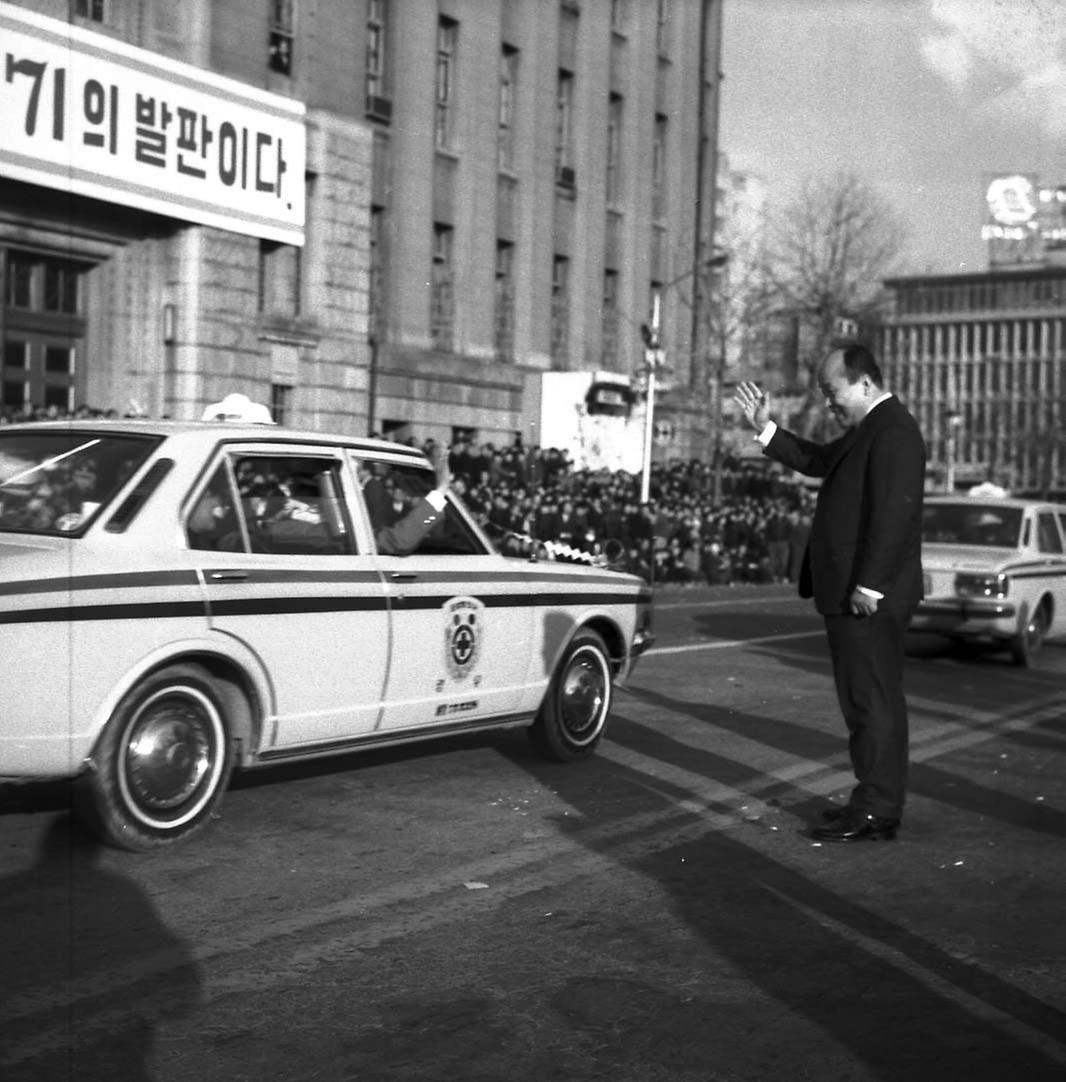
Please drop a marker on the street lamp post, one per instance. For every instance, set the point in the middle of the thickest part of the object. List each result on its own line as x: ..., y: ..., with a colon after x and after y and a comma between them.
x: 653, y: 362
x: 954, y: 423
x: 717, y: 453
x: 717, y: 264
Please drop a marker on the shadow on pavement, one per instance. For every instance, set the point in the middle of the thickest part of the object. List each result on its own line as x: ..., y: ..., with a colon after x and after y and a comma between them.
x: 797, y: 739
x: 88, y: 969
x: 892, y: 1000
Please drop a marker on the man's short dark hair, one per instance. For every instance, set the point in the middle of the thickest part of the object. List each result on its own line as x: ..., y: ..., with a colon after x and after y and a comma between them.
x: 859, y: 362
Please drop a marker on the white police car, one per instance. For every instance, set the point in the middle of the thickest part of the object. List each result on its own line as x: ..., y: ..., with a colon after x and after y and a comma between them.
x: 177, y: 599
x: 995, y: 572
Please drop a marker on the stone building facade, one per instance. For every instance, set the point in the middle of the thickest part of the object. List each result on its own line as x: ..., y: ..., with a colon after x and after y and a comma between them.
x: 490, y: 190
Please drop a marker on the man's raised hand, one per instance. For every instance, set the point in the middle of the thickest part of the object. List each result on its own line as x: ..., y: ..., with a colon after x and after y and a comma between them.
x: 754, y: 404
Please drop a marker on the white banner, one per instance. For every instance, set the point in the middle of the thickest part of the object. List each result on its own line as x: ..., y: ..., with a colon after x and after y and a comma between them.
x: 87, y: 114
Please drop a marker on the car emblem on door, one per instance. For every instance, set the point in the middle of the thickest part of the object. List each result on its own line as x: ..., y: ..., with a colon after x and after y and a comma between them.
x: 463, y: 622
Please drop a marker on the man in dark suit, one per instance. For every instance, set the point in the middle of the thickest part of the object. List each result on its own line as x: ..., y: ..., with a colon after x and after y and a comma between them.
x: 863, y: 569
x: 400, y: 536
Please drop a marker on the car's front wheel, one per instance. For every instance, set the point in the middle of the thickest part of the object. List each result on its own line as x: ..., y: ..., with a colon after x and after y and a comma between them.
x: 162, y: 763
x: 574, y: 712
x: 1032, y: 627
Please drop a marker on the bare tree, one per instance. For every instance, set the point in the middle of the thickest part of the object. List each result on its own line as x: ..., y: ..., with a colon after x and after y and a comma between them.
x: 726, y: 301
x: 828, y: 252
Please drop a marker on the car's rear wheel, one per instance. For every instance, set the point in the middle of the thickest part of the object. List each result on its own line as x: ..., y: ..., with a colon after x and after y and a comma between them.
x: 575, y: 709
x: 1032, y: 628
x: 162, y: 763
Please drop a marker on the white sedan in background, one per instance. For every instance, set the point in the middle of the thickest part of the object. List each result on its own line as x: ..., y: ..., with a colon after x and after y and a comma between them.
x: 177, y: 599
x: 995, y: 572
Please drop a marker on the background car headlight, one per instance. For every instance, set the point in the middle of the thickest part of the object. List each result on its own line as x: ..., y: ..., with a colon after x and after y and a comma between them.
x: 970, y: 585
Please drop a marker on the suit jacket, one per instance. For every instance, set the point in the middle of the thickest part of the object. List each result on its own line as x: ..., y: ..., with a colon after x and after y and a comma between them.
x: 867, y: 528
x: 403, y: 537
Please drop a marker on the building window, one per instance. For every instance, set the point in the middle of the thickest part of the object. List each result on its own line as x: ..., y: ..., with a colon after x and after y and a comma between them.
x: 609, y: 322
x: 42, y: 285
x: 560, y: 316
x: 442, y: 297
x: 378, y: 101
x: 505, y: 294
x: 60, y: 288
x: 280, y: 279
x: 90, y: 9
x: 376, y: 285
x: 564, y: 129
x: 614, y: 149
x: 281, y: 403
x: 658, y: 168
x: 43, y: 332
x: 281, y: 36
x: 508, y: 90
x: 20, y: 281
x: 662, y: 25
x: 447, y: 33
x: 618, y: 16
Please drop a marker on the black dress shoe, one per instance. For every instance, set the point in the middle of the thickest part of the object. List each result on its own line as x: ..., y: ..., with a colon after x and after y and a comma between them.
x: 854, y: 825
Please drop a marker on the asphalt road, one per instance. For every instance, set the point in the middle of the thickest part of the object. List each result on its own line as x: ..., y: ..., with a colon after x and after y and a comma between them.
x: 465, y: 911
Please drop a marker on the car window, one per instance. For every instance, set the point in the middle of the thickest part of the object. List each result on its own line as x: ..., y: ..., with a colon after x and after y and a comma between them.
x: 214, y: 521
x: 59, y: 481
x: 966, y: 524
x: 280, y: 505
x: 1047, y: 533
x: 393, y: 494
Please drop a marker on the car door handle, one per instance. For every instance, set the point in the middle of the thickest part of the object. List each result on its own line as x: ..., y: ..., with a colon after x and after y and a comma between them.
x: 228, y: 576
x: 403, y: 576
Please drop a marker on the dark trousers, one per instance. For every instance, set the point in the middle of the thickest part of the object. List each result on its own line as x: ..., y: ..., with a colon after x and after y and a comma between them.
x: 867, y: 653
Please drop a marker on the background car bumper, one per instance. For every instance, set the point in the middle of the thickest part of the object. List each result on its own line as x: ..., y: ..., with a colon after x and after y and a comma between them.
x: 966, y: 617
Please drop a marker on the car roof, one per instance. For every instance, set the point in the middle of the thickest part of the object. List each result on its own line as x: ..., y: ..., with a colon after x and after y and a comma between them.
x: 994, y: 501
x: 212, y: 431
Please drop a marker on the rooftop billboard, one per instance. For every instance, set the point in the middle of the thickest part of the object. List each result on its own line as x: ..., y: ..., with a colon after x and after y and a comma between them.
x: 1024, y: 219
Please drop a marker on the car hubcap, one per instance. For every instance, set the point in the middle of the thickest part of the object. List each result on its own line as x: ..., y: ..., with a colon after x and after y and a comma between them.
x: 170, y: 750
x: 583, y: 695
x: 1035, y: 631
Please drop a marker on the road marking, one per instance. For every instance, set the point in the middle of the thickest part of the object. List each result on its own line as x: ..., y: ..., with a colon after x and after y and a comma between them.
x: 727, y: 644
x: 731, y: 602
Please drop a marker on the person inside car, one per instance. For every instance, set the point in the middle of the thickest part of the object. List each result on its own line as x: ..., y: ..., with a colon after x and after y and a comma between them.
x: 403, y: 536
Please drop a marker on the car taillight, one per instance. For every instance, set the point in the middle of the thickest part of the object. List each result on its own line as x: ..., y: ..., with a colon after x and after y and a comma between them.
x: 991, y: 585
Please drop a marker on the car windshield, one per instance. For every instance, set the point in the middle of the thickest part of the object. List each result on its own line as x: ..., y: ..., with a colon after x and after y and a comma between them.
x: 57, y: 482
x: 972, y: 524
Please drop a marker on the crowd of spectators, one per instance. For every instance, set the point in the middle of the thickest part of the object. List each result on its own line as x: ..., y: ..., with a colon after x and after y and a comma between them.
x: 13, y: 414
x: 756, y: 531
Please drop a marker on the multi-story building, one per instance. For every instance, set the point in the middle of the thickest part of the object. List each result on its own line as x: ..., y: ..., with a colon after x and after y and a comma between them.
x: 981, y: 361
x: 981, y: 358
x: 386, y: 214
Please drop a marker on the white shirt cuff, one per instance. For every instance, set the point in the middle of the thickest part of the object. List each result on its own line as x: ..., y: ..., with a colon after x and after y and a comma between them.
x: 767, y: 434
x: 436, y: 499
x: 869, y: 592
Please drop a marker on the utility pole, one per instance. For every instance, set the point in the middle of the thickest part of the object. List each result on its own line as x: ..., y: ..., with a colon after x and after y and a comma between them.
x: 953, y: 420
x: 719, y: 334
x: 653, y: 363
x: 372, y: 384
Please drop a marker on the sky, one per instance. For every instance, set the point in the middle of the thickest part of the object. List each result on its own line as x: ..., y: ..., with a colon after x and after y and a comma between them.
x: 925, y: 100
